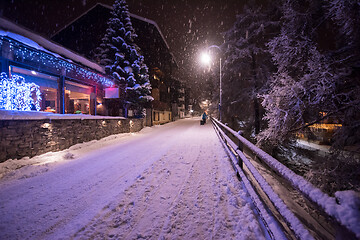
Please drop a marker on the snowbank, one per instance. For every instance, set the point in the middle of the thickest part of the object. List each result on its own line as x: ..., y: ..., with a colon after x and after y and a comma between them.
x: 49, y: 160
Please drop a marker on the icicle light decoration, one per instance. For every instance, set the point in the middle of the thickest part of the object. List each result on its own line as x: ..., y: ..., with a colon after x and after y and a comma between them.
x: 54, y: 61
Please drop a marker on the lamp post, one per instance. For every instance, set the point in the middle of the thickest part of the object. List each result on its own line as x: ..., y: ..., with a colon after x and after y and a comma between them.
x: 206, y: 59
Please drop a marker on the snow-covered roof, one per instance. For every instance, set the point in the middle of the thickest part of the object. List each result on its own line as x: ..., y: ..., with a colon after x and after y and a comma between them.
x: 152, y: 23
x: 36, y: 41
x: 157, y: 27
x: 131, y: 15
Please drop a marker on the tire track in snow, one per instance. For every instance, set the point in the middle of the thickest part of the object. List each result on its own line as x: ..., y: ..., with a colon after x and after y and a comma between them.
x: 211, y: 203
x: 155, y: 186
x: 78, y: 189
x: 172, y: 182
x: 186, y: 194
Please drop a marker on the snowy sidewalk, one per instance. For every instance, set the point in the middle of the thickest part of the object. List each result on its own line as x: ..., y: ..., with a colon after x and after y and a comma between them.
x: 166, y: 182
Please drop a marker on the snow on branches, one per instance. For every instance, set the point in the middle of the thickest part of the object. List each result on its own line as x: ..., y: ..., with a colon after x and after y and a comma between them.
x: 120, y: 56
x: 313, y: 80
x: 248, y: 64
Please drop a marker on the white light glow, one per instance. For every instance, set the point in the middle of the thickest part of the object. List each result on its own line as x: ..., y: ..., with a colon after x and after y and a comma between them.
x: 205, y: 58
x: 16, y: 94
x: 46, y: 125
x: 33, y: 72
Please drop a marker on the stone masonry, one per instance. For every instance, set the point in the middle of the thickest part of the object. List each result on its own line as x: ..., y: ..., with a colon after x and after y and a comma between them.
x: 20, y: 138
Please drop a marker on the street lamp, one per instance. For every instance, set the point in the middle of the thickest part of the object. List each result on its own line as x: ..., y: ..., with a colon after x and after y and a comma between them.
x: 206, y: 59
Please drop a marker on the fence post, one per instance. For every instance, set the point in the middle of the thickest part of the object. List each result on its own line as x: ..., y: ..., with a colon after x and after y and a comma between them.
x: 240, y: 146
x: 240, y: 161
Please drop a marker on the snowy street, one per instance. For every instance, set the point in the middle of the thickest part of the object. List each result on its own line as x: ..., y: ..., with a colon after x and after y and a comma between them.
x: 166, y: 182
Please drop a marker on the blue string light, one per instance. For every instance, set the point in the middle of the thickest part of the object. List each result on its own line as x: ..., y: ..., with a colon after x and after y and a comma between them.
x: 47, y: 60
x: 16, y: 94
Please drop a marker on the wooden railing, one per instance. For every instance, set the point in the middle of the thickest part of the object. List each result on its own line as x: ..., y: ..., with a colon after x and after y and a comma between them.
x: 301, y: 210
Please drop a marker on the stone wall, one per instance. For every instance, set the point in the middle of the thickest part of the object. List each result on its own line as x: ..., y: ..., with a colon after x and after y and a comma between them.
x: 20, y: 138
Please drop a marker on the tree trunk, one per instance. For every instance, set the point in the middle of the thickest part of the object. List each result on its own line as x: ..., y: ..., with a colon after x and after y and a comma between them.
x: 256, y: 115
x: 256, y: 102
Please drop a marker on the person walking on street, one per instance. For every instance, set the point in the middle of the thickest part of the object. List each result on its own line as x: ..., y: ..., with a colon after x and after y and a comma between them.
x: 203, y: 118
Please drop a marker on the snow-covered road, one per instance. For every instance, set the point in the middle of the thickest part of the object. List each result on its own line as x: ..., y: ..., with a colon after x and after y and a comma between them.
x: 166, y: 182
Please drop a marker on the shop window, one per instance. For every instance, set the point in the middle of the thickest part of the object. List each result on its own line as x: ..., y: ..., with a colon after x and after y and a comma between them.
x: 77, y: 98
x: 156, y: 116
x: 48, y: 87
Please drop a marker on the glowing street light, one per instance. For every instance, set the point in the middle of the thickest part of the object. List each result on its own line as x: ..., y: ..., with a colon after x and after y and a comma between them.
x: 206, y: 59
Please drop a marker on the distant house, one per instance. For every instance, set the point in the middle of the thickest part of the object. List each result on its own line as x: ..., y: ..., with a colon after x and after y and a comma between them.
x: 68, y: 82
x: 322, y: 132
x: 84, y: 35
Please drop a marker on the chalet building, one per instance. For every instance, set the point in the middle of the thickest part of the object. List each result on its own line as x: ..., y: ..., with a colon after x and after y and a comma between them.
x: 68, y: 83
x: 50, y: 97
x: 84, y: 35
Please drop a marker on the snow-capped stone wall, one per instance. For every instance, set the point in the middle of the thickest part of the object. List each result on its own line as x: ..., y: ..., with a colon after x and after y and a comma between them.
x: 26, y: 137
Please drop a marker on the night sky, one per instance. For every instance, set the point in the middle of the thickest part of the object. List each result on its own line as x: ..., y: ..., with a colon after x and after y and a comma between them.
x: 188, y: 25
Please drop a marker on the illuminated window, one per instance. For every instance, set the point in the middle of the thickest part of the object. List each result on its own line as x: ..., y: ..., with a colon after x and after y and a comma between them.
x: 77, y: 98
x: 48, y: 87
x: 156, y: 116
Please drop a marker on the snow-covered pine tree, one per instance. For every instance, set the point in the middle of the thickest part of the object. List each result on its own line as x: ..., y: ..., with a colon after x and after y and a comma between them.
x: 120, y: 56
x: 302, y: 86
x: 248, y: 64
